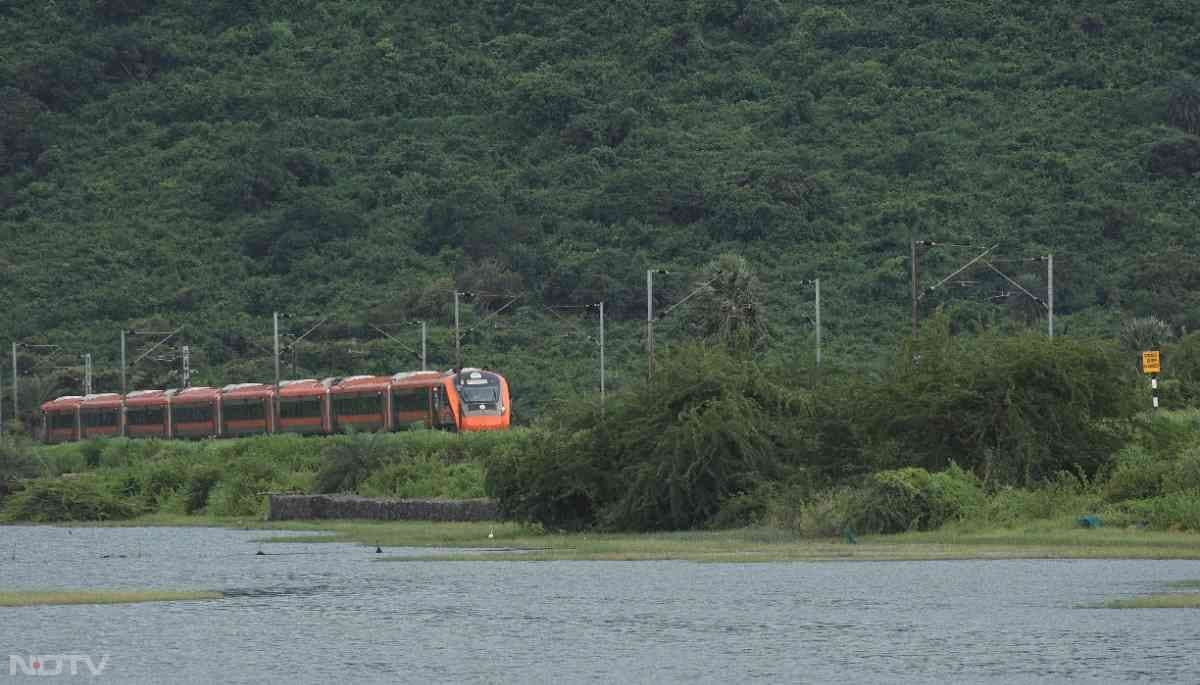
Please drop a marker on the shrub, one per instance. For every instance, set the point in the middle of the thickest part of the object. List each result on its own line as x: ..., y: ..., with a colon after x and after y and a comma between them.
x: 199, y: 484
x: 1066, y: 495
x: 829, y: 513
x: 954, y: 494
x: 893, y: 502
x: 81, y: 499
x: 347, y: 461
x: 425, y: 479
x: 1137, y: 475
x: 742, y: 509
x: 1174, y: 511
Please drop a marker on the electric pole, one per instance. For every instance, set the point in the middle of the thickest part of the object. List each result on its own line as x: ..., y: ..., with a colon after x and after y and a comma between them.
x: 601, y: 353
x: 276, y: 318
x: 123, y: 429
x: 123, y: 389
x: 1050, y: 294
x: 422, y: 345
x: 457, y: 336
x: 16, y: 395
x: 87, y: 374
x: 913, y: 262
x: 817, y: 287
x: 187, y: 366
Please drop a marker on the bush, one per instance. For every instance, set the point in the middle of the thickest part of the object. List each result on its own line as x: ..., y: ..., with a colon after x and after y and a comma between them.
x: 827, y: 514
x: 81, y: 499
x: 425, y: 479
x: 1137, y: 475
x: 1174, y: 511
x: 199, y: 484
x: 663, y: 455
x: 893, y: 502
x: 1015, y: 410
x: 16, y: 462
x: 1066, y: 495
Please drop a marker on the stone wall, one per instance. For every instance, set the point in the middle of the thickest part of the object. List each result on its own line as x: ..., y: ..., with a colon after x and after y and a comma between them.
x: 300, y: 507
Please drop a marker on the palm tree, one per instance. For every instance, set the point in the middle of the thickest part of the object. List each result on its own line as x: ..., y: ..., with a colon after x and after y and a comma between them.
x: 1145, y: 333
x: 728, y: 304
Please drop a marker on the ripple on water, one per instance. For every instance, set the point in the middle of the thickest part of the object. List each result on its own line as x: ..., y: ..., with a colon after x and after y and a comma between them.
x: 323, y: 611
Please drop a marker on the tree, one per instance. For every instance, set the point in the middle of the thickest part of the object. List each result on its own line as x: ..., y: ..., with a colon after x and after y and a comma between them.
x: 728, y: 304
x: 1144, y: 333
x: 1183, y: 109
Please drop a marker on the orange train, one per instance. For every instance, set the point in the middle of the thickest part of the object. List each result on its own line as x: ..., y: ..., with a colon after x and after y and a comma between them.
x: 469, y: 400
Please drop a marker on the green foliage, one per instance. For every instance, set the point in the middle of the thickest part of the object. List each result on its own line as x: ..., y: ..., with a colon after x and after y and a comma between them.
x: 425, y: 479
x: 1174, y: 511
x: 1011, y: 409
x: 913, y: 499
x: 1144, y: 333
x: 231, y: 477
x: 80, y: 499
x: 728, y: 304
x: 16, y: 463
x: 1183, y: 110
x: 348, y: 462
x: 235, y: 159
x: 666, y: 454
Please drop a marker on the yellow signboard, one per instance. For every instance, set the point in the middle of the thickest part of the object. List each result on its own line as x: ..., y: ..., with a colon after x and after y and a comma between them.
x: 1150, y: 362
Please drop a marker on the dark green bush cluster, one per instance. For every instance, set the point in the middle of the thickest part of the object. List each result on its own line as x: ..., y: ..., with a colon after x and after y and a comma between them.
x: 664, y: 455
x: 81, y: 499
x: 913, y: 499
x: 718, y: 437
x: 1156, y: 482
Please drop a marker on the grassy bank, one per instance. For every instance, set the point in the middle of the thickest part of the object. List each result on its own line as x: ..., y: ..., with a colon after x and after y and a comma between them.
x: 24, y: 598
x: 512, y: 542
x: 516, y: 542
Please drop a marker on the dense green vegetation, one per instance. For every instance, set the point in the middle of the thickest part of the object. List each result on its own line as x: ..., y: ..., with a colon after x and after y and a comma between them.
x: 353, y: 164
x: 988, y: 430
x: 167, y: 163
x: 118, y: 479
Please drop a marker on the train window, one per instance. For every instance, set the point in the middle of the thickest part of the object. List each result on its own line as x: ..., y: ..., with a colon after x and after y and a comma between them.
x: 60, y: 420
x: 144, y: 417
x: 249, y: 411
x: 411, y: 400
x: 196, y: 414
x: 104, y: 418
x: 300, y: 409
x: 357, y: 405
x: 479, y: 394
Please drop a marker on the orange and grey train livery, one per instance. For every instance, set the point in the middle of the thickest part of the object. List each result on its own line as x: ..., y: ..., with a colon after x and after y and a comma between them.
x: 467, y: 400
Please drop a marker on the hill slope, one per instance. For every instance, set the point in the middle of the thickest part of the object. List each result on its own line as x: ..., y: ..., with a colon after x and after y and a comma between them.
x: 165, y: 162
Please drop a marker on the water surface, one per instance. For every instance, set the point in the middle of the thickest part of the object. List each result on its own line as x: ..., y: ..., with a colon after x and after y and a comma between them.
x: 316, y: 612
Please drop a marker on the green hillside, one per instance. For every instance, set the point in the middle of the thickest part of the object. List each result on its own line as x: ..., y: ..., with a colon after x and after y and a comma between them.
x: 167, y: 163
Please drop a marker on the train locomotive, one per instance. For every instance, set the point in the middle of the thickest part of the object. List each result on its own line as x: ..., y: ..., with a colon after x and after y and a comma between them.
x: 465, y: 400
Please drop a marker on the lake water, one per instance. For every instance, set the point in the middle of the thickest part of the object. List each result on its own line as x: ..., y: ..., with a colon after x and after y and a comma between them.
x: 320, y: 612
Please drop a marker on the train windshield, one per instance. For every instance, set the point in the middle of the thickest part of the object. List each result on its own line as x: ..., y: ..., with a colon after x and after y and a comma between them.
x: 477, y: 394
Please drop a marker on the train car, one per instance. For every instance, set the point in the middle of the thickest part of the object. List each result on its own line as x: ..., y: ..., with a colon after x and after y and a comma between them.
x: 247, y: 409
x: 147, y: 414
x: 100, y: 415
x: 361, y: 403
x: 419, y: 401
x: 483, y: 400
x: 304, y: 406
x: 60, y: 419
x: 467, y: 400
x: 195, y: 412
